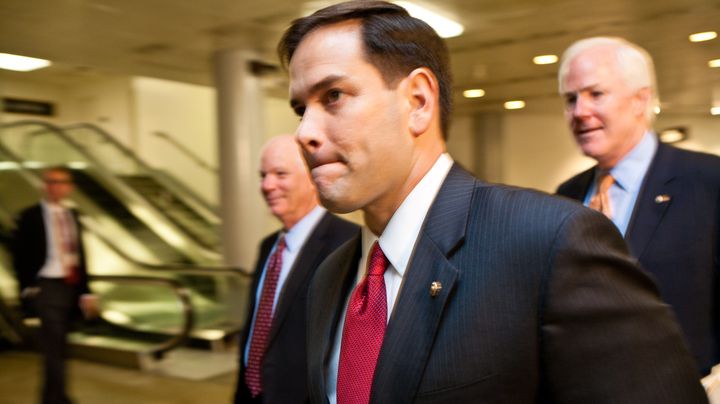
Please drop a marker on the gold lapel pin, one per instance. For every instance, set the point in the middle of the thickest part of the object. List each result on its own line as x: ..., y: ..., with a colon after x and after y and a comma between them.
x: 662, y: 198
x: 435, y: 288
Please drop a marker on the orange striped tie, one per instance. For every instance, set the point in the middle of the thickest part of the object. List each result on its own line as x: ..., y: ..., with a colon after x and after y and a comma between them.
x: 601, y: 200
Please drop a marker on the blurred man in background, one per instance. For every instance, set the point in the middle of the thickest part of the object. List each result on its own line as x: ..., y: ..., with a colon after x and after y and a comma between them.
x: 272, y: 348
x: 49, y: 259
x: 664, y: 200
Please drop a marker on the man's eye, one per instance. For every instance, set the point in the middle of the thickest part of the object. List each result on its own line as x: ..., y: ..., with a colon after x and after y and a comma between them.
x: 333, y: 95
x: 299, y: 111
x: 596, y: 94
x: 570, y: 100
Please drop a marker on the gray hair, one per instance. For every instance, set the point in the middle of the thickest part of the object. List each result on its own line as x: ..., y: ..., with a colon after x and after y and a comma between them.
x: 635, y: 65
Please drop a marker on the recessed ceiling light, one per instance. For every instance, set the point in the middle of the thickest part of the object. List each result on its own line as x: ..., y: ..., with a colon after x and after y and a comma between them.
x: 714, y: 63
x: 715, y: 110
x: 703, y: 36
x: 657, y: 109
x: 21, y: 63
x: 474, y: 93
x: 445, y: 27
x: 516, y: 104
x: 673, y: 135
x: 545, y: 59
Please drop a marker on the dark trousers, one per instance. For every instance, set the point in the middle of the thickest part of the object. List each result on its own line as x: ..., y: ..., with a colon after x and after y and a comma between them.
x: 56, y: 306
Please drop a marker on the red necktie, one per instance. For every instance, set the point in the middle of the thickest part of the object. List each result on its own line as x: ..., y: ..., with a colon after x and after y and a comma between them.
x: 601, y: 200
x: 263, y: 321
x: 363, y: 333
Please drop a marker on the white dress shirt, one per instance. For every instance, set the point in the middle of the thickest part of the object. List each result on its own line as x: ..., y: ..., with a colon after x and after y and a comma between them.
x: 398, y: 243
x: 294, y: 240
x: 53, y: 265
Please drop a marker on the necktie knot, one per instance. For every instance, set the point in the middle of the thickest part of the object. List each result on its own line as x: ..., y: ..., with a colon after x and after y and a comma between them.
x: 378, y: 261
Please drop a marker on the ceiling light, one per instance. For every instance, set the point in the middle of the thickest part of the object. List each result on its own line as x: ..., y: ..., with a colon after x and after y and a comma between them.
x: 657, y: 110
x: 516, y: 104
x: 673, y: 135
x: 714, y: 63
x: 545, y: 59
x: 21, y: 63
x: 474, y: 93
x: 715, y: 110
x: 444, y: 27
x: 703, y: 36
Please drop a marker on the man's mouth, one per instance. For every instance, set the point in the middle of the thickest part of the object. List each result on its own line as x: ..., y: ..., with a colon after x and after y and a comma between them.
x: 583, y: 131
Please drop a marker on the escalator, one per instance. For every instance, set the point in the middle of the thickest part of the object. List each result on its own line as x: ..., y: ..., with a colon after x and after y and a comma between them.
x: 185, y: 208
x: 144, y: 231
x: 147, y: 309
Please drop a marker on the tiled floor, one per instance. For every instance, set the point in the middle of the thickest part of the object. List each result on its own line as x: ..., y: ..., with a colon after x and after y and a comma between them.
x: 92, y: 383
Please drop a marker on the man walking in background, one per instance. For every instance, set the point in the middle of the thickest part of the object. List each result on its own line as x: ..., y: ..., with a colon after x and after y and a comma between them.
x: 664, y: 200
x: 272, y: 348
x: 49, y: 260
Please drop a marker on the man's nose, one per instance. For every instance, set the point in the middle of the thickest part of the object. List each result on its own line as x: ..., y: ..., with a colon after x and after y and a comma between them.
x: 582, y: 106
x: 308, y: 133
x: 267, y: 184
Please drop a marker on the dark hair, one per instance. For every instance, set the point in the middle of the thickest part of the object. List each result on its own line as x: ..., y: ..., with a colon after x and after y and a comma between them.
x: 394, y: 42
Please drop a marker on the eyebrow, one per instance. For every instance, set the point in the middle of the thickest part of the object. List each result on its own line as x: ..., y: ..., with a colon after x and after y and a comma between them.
x: 320, y: 85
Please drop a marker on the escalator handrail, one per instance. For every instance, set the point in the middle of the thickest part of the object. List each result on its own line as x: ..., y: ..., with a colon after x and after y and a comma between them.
x: 137, y: 160
x: 197, y: 269
x: 107, y: 175
x: 192, y: 156
x: 180, y: 291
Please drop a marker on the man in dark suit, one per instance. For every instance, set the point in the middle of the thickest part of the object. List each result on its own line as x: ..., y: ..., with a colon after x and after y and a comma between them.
x: 665, y: 200
x: 49, y: 260
x: 473, y: 292
x: 273, y: 360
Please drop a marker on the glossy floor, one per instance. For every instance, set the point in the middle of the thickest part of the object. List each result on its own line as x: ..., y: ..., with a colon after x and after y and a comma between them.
x: 91, y: 383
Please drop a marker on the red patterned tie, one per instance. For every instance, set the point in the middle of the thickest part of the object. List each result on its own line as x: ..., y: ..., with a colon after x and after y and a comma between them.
x: 363, y: 333
x: 263, y: 321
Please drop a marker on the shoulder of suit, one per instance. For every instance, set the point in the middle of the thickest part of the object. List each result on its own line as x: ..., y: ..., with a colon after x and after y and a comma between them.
x: 579, y: 178
x: 523, y: 201
x: 341, y: 224
x: 690, y: 161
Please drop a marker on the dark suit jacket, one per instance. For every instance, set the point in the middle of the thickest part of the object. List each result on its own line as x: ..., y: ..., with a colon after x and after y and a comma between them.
x: 284, y: 365
x: 539, y: 304
x: 29, y: 248
x: 678, y: 241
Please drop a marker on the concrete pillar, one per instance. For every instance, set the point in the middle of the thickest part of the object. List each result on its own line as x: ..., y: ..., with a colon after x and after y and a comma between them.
x: 241, y: 135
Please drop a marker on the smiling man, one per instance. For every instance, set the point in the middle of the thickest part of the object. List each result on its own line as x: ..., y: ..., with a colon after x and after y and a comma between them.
x: 666, y: 201
x: 272, y: 346
x: 472, y: 292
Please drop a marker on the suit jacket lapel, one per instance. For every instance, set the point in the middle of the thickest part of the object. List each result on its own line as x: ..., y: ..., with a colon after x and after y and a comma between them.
x: 578, y: 189
x: 651, y: 203
x: 331, y: 286
x: 304, y: 265
x: 416, y: 316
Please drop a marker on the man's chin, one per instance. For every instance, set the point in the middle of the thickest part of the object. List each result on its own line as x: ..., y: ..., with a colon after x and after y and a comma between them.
x: 336, y: 204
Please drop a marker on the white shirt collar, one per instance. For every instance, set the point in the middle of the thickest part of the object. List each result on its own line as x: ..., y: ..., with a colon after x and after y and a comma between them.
x: 398, y: 239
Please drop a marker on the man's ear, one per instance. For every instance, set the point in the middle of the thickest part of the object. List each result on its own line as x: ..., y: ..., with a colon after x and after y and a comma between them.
x: 423, y: 92
x: 643, y: 97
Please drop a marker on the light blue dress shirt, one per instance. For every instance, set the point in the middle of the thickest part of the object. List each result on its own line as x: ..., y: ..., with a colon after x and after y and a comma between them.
x: 629, y: 174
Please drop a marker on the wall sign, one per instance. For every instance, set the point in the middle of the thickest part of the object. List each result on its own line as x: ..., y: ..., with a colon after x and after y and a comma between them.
x: 30, y: 107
